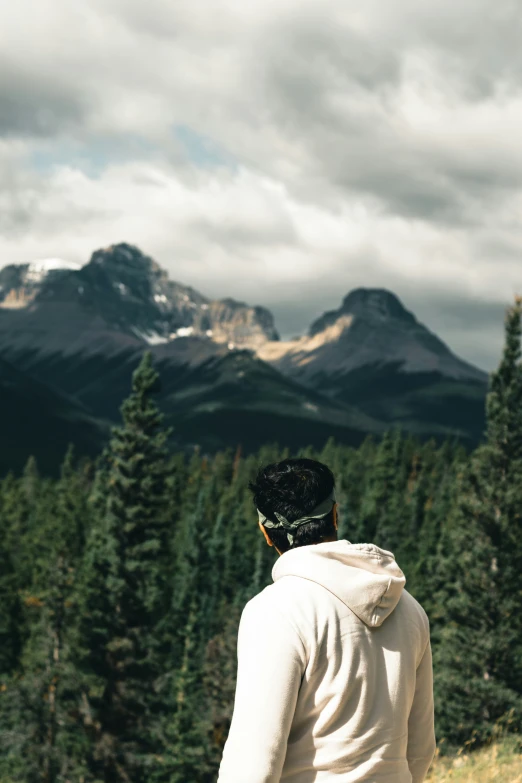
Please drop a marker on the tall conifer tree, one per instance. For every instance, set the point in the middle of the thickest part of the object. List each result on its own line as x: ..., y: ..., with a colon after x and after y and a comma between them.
x: 478, y: 655
x: 124, y: 592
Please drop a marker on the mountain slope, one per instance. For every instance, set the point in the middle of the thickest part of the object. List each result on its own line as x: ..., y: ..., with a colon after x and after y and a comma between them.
x: 227, y: 378
x: 37, y: 420
x: 373, y: 353
x: 211, y: 396
x: 370, y: 328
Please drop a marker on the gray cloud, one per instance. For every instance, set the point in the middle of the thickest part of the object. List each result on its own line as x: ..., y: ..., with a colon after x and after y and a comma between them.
x: 27, y: 110
x: 322, y: 146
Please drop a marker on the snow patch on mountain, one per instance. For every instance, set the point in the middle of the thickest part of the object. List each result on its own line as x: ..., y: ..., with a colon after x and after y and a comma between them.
x: 39, y: 269
x: 150, y: 337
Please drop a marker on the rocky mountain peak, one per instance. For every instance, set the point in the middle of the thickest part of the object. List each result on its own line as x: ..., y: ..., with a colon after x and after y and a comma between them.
x: 125, y: 259
x: 128, y: 271
x: 373, y: 305
x: 376, y: 303
x: 371, y: 329
x: 133, y: 294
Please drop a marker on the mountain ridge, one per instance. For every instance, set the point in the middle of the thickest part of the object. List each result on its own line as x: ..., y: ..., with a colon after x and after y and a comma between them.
x: 131, y: 291
x: 378, y: 303
x: 373, y: 327
x: 228, y: 378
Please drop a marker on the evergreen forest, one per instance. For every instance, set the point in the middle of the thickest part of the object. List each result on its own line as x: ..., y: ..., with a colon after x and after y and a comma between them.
x: 122, y: 583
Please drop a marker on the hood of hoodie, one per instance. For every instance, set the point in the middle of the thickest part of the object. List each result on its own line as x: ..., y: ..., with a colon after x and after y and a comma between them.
x: 365, y: 578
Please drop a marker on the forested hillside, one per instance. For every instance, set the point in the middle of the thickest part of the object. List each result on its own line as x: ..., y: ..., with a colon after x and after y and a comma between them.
x: 123, y: 581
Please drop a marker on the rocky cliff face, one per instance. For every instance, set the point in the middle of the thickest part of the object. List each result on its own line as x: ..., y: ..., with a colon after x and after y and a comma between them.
x: 20, y: 283
x: 133, y: 294
x: 238, y: 324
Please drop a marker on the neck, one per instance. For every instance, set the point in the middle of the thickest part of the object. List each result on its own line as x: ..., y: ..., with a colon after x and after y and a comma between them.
x: 322, y: 541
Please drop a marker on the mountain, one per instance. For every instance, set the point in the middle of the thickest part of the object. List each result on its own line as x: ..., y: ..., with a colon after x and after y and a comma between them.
x: 84, y: 331
x: 37, y: 420
x: 227, y: 378
x: 373, y: 353
x: 131, y: 294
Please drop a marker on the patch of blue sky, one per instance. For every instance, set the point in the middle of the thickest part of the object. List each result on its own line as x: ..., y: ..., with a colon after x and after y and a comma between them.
x: 93, y: 156
x: 201, y: 150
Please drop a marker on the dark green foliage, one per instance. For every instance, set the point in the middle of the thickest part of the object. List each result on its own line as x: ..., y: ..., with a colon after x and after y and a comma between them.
x: 10, y: 641
x: 122, y: 584
x: 40, y: 705
x: 125, y: 596
x: 479, y: 654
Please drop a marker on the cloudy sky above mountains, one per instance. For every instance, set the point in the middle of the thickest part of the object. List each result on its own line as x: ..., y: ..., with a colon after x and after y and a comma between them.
x: 278, y: 151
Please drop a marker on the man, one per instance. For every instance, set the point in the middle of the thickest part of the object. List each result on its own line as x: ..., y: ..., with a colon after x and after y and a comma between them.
x: 334, y: 678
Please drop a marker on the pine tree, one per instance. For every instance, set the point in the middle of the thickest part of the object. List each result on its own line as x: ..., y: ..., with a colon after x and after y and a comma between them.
x: 381, y: 512
x: 23, y: 508
x: 193, y: 618
x: 10, y: 625
x: 425, y: 578
x: 40, y: 708
x: 478, y: 655
x: 124, y: 592
x: 504, y: 452
x: 73, y: 512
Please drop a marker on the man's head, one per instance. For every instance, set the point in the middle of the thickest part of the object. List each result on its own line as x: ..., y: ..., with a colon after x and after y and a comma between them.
x: 293, y: 489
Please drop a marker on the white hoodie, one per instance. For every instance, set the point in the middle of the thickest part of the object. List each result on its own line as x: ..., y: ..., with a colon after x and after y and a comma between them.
x: 334, y: 677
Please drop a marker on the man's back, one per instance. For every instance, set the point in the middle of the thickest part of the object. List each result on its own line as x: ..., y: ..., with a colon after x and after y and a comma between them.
x: 334, y: 674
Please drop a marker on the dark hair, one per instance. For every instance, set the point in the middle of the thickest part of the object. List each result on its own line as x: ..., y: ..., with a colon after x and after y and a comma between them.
x: 293, y: 488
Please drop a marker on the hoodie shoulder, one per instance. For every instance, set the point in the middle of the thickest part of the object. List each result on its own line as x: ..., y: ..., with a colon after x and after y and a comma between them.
x: 277, y: 598
x: 272, y: 602
x: 270, y: 614
x: 416, y: 608
x: 415, y: 614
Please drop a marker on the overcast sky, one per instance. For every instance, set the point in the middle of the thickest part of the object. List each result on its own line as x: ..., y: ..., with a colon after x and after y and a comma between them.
x: 279, y: 151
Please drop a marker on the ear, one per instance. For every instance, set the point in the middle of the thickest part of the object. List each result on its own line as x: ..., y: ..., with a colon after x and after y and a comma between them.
x: 267, y: 537
x: 335, y: 515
